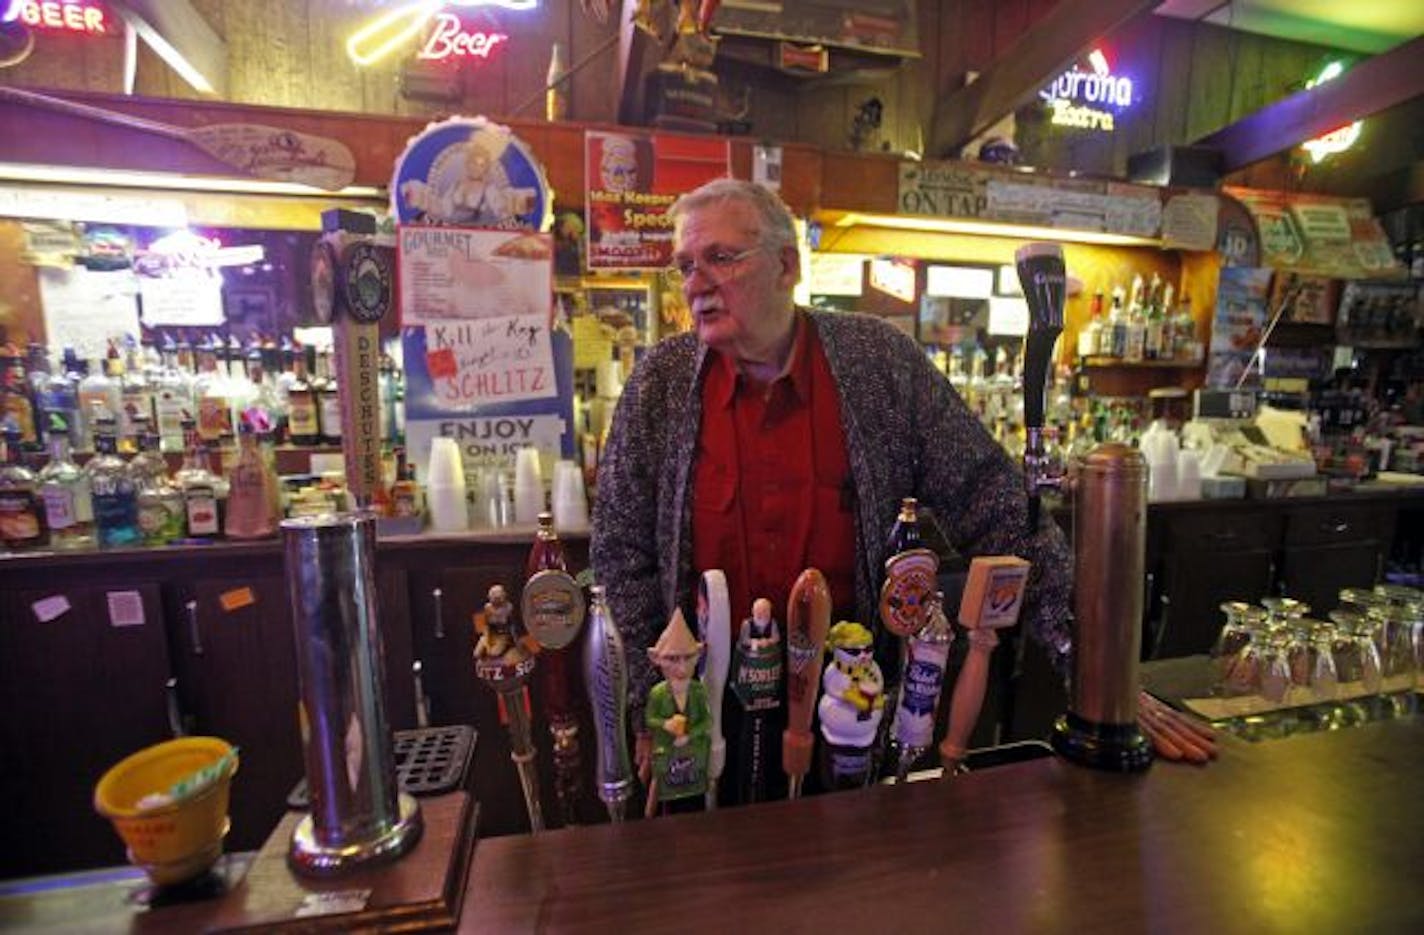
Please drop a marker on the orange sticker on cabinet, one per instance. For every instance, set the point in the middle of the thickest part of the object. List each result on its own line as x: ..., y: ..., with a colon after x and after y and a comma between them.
x: 236, y: 599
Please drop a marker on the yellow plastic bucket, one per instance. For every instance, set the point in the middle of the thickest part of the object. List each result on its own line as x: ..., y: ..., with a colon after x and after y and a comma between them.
x: 178, y: 840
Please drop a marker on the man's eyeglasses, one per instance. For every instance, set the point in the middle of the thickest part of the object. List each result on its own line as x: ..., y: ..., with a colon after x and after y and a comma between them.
x: 716, y: 264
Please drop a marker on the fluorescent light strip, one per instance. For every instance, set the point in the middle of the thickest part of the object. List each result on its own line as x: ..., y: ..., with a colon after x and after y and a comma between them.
x: 110, y: 178
x: 994, y: 229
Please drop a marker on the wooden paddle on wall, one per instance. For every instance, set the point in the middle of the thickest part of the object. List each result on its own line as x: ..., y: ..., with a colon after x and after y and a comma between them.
x: 264, y: 152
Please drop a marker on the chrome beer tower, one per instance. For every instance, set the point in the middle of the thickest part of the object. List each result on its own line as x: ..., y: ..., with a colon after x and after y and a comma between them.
x: 358, y: 813
x: 1109, y: 546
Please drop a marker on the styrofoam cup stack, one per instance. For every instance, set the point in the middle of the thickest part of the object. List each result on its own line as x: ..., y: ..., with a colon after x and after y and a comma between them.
x: 445, y: 487
x: 528, y: 486
x: 1189, y: 475
x: 570, y: 499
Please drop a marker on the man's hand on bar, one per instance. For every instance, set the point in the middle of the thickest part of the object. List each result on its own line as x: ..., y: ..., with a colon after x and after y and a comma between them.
x: 1174, y: 735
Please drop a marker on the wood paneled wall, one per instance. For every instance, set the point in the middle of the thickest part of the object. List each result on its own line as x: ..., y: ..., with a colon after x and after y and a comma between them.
x: 1192, y: 78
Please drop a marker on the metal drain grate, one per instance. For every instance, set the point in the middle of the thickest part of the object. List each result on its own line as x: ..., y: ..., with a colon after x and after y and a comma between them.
x: 429, y: 761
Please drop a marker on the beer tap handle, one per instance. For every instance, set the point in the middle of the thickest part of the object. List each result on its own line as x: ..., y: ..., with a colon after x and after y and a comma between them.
x: 606, y: 680
x: 993, y: 596
x: 1044, y: 280
x: 714, y: 621
x: 808, y: 618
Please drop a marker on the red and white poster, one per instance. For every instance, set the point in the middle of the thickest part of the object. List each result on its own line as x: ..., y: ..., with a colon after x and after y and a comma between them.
x: 633, y: 178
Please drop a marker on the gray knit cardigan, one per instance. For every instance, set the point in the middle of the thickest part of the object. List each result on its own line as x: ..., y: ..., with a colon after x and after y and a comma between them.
x: 907, y: 434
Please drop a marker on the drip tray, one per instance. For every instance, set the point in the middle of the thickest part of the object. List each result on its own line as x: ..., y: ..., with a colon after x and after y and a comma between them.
x: 429, y: 761
x: 1020, y: 751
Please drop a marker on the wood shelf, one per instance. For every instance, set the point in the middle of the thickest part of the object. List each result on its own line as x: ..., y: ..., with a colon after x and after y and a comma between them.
x: 1119, y: 363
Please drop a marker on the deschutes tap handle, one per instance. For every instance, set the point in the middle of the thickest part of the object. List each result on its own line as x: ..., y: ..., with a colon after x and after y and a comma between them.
x: 1044, y: 280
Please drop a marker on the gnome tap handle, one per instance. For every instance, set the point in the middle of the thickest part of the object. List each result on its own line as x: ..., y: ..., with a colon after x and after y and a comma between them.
x: 1044, y: 280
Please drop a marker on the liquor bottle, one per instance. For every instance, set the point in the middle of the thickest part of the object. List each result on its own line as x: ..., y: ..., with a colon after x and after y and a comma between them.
x: 136, y: 398
x: 304, y: 424
x: 115, y: 498
x: 21, y: 511
x: 1115, y: 333
x: 1169, y: 325
x: 1090, y: 338
x: 64, y: 490
x: 1185, y: 332
x: 173, y: 398
x: 547, y: 551
x: 257, y: 404
x: 210, y: 394
x: 1152, y: 319
x: 406, y: 498
x: 252, y: 491
x: 16, y: 406
x: 57, y: 399
x: 99, y: 398
x: 1136, y: 327
x: 199, y: 486
x: 328, y: 402
x: 160, y: 503
x: 905, y: 534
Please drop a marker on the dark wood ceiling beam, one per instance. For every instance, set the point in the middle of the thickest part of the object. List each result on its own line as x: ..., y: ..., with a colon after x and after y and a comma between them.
x: 1373, y: 85
x: 1032, y: 61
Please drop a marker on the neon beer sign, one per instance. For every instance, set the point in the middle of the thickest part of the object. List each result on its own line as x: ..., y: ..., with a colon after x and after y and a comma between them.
x: 1073, y: 94
x: 449, y: 39
x: 392, y: 29
x: 56, y: 14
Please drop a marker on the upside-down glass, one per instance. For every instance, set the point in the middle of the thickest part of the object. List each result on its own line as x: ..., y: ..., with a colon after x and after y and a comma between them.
x: 1273, y: 668
x: 1243, y: 622
x: 1357, y: 660
x: 1401, y: 611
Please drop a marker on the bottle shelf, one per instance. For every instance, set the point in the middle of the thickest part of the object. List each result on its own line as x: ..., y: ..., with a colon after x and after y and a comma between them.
x: 1143, y: 364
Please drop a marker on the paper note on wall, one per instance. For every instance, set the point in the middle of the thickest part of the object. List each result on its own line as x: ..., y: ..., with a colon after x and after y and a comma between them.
x: 85, y: 310
x: 490, y: 360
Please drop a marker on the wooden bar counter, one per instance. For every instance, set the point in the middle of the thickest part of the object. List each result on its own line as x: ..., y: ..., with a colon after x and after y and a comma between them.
x: 1313, y: 833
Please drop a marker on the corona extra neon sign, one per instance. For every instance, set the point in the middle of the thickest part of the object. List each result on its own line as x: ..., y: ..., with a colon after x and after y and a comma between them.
x: 395, y: 27
x: 1336, y: 141
x: 56, y: 14
x: 1072, y: 94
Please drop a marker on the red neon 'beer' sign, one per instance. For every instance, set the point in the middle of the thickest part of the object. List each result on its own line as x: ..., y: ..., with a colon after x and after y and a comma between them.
x: 57, y: 14
x: 449, y: 38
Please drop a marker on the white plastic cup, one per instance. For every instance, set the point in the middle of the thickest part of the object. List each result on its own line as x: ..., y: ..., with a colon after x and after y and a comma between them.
x: 570, y: 499
x: 528, y: 486
x: 1189, y: 476
x: 445, y: 488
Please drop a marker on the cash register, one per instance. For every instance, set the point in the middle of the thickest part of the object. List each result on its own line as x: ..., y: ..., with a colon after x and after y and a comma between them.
x: 1227, y: 427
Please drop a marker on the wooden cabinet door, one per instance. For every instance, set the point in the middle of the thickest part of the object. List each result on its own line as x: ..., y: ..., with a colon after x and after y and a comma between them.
x: 77, y: 694
x: 444, y: 642
x: 1196, y: 584
x: 1316, y: 574
x: 237, y: 672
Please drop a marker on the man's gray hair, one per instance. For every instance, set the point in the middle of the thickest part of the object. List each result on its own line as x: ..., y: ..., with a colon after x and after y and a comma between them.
x: 777, y: 224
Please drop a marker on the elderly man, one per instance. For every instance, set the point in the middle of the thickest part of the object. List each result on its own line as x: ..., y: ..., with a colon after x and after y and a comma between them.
x: 775, y: 438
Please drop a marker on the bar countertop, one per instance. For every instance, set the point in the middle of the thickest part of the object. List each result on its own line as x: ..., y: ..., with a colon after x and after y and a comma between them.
x: 1319, y: 832
x: 1312, y: 833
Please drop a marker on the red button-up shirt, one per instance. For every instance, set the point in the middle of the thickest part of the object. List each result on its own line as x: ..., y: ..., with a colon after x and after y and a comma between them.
x: 772, y: 490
